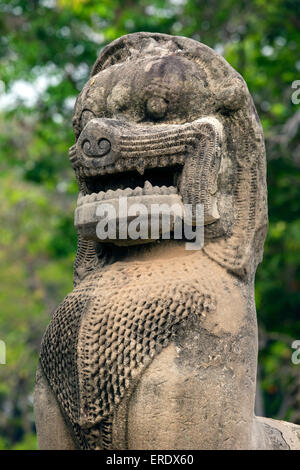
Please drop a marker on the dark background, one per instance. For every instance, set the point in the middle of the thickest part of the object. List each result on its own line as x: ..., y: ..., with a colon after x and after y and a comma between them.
x: 46, y: 50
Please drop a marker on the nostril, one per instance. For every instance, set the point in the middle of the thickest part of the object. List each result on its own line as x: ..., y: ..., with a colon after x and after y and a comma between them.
x: 99, y: 143
x: 102, y: 148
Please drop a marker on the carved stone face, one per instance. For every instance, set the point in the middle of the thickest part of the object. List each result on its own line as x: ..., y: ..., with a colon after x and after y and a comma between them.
x: 165, y: 119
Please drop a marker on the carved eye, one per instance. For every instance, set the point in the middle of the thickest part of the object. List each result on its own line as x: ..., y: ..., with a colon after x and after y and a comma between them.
x: 157, y: 107
x: 85, y: 117
x: 231, y: 95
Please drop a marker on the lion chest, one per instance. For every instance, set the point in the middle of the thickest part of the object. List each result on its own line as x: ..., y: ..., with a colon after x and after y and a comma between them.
x: 109, y: 329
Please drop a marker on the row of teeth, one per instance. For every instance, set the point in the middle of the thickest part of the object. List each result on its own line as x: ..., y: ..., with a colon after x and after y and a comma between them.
x: 132, y: 164
x: 148, y: 189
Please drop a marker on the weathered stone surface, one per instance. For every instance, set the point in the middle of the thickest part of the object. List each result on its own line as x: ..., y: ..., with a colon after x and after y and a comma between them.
x: 156, y: 347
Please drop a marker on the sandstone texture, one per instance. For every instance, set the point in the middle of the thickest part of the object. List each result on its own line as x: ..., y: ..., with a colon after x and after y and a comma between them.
x: 156, y: 347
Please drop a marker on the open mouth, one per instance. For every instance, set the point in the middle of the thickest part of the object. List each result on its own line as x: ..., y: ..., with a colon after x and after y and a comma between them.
x: 158, y: 186
x: 154, y: 181
x: 163, y: 165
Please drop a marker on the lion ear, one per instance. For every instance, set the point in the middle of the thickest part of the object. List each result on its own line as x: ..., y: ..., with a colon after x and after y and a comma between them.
x: 241, y: 248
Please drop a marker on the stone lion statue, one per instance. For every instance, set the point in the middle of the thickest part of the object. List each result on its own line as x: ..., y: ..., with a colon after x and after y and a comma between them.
x: 156, y: 347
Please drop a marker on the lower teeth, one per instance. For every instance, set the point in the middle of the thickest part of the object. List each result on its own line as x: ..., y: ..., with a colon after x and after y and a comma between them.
x: 148, y: 189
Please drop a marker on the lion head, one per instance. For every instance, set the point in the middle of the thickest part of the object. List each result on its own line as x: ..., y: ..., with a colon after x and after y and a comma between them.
x: 166, y: 118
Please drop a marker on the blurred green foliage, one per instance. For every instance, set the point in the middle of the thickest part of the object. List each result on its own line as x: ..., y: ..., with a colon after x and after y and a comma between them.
x: 46, y: 50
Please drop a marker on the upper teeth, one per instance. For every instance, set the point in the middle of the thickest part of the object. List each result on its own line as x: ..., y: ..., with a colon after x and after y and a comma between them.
x: 147, y: 186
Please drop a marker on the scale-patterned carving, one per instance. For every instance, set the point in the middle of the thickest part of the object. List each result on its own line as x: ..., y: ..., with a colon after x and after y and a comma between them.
x: 96, y: 345
x: 135, y: 315
x: 58, y: 354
